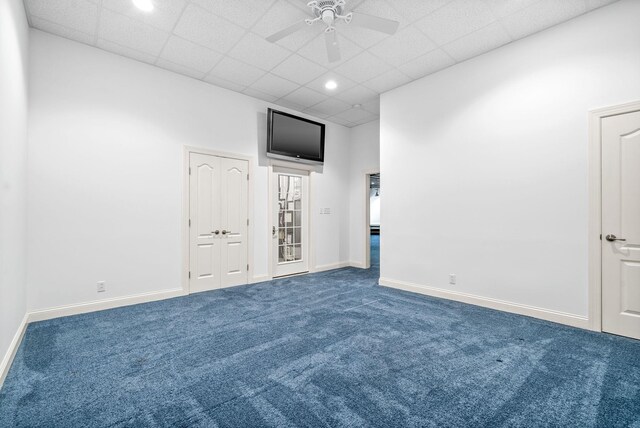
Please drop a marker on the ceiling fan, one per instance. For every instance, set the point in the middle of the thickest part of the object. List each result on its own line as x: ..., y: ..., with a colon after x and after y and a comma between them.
x: 331, y: 12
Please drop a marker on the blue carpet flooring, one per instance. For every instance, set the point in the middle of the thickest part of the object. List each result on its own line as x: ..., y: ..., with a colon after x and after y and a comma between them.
x: 328, y: 349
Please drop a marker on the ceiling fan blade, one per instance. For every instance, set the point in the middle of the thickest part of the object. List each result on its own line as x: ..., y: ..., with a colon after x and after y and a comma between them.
x: 333, y: 48
x: 374, y: 23
x: 286, y: 32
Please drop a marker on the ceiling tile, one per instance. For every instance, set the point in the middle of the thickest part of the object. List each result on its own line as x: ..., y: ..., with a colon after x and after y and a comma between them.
x: 131, y: 33
x: 329, y: 107
x: 355, y: 115
x: 594, y: 4
x: 255, y: 50
x: 190, y: 55
x: 80, y: 15
x: 484, y: 40
x: 541, y: 15
x: 385, y: 82
x: 207, y: 29
x: 223, y: 83
x: 282, y: 15
x: 341, y: 121
x: 165, y: 15
x: 316, y: 51
x: 259, y: 95
x: 180, y: 69
x: 356, y: 95
x: 237, y: 71
x: 282, y: 102
x: 363, y: 67
x: 367, y: 120
x: 305, y: 97
x: 404, y: 46
x: 502, y: 8
x: 274, y: 85
x: 343, y: 83
x: 412, y: 10
x: 427, y: 64
x: 298, y: 69
x: 59, y: 30
x: 244, y: 13
x: 456, y: 19
x: 125, y: 51
x: 372, y: 106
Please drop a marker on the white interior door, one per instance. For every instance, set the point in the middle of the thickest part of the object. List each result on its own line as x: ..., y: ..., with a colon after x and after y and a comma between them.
x: 218, y: 213
x: 204, y: 218
x: 621, y: 224
x: 234, y: 221
x: 290, y: 231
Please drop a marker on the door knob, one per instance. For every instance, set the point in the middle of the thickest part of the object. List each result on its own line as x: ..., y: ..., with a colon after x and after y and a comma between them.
x: 225, y: 232
x: 273, y: 231
x: 612, y: 238
x: 216, y: 232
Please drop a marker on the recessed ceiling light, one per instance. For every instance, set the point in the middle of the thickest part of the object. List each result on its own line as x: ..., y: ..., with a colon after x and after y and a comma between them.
x: 331, y: 85
x: 356, y: 105
x: 144, y: 5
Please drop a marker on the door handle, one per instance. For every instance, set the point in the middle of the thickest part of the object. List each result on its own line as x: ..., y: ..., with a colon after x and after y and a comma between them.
x: 225, y: 232
x: 612, y: 238
x: 216, y: 232
x: 273, y: 232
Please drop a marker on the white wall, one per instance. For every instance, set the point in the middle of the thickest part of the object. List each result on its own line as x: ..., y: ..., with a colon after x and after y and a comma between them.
x: 365, y: 158
x: 13, y: 169
x: 105, y: 177
x: 485, y: 164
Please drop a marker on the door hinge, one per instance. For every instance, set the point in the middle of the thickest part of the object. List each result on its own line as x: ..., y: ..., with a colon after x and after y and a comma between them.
x: 247, y: 177
x: 247, y: 222
x: 189, y: 274
x: 601, y: 236
x: 247, y: 267
x: 189, y: 170
x: 189, y: 222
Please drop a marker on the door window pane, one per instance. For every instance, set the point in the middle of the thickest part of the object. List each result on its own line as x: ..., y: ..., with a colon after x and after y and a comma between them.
x: 289, y: 218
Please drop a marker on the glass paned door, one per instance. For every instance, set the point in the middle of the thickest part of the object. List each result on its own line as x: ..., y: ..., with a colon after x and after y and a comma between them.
x: 291, y: 215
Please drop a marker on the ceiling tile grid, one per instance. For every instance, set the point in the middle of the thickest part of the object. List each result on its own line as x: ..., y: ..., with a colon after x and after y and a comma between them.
x: 223, y: 42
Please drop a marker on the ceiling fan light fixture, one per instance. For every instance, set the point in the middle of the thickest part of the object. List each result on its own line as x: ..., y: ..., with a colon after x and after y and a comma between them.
x: 144, y: 5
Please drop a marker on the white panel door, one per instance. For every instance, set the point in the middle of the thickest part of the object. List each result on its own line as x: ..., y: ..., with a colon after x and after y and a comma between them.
x: 204, y: 215
x: 218, y: 218
x: 621, y: 224
x: 234, y: 221
x: 290, y: 232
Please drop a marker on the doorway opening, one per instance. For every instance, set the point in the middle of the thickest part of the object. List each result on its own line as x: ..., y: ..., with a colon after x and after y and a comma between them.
x: 372, y: 221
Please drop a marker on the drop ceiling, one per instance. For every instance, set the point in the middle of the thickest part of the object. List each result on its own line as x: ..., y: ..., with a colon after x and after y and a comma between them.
x: 222, y: 42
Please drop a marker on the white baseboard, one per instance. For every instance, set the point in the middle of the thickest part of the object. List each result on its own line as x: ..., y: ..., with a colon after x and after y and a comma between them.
x: 501, y: 305
x: 5, y: 365
x: 257, y: 279
x: 101, y: 305
x: 359, y: 265
x: 331, y: 266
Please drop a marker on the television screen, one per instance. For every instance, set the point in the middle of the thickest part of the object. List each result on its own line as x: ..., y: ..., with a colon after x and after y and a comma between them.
x: 294, y: 138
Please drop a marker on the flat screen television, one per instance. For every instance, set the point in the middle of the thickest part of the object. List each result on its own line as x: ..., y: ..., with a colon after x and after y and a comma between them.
x: 294, y: 138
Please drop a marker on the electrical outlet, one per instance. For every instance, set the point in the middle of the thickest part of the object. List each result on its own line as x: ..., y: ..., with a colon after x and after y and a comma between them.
x: 452, y: 278
x: 102, y: 286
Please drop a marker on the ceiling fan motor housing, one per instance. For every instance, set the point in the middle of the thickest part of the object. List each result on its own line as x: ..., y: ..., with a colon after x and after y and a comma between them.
x: 327, y: 9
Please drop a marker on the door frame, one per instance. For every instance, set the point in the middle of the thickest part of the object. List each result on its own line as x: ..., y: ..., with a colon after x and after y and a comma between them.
x: 367, y: 215
x: 186, y: 154
x: 270, y: 206
x: 595, y: 206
